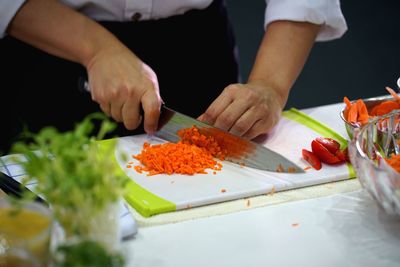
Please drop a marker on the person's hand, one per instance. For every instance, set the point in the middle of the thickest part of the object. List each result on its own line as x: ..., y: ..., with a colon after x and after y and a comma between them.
x: 121, y: 83
x: 247, y: 110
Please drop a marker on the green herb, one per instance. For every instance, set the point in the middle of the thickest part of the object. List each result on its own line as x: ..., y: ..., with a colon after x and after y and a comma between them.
x: 87, y: 254
x: 76, y: 173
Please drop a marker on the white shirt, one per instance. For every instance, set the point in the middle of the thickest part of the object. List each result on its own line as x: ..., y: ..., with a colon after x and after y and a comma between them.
x: 324, y: 12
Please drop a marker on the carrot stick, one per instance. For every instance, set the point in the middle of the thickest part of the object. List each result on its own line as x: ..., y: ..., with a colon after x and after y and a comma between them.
x: 352, y: 116
x: 393, y: 93
x: 347, y: 102
x: 384, y: 108
x: 362, y: 112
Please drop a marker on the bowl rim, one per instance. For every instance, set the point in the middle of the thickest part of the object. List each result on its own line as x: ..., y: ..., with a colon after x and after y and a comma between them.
x: 368, y: 100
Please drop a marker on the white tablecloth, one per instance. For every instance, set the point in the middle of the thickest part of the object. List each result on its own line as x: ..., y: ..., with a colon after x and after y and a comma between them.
x: 340, y: 230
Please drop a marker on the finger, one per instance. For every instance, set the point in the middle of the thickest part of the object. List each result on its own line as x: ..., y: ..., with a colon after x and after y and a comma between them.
x: 262, y: 126
x: 231, y: 115
x: 151, y: 103
x: 217, y: 106
x: 131, y: 114
x: 116, y: 110
x: 258, y: 128
x: 245, y: 122
x: 106, y: 108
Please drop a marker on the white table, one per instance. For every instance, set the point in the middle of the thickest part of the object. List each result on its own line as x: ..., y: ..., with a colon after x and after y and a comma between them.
x: 339, y: 230
x: 345, y: 229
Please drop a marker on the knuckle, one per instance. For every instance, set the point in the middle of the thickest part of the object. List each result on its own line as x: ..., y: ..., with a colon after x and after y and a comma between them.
x: 240, y: 127
x: 225, y: 120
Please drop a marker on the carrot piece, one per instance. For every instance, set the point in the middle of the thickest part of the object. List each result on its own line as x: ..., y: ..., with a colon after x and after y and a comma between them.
x: 384, y: 108
x: 352, y: 116
x: 192, y: 154
x: 394, y: 162
x: 362, y: 112
x: 347, y: 102
x: 393, y: 93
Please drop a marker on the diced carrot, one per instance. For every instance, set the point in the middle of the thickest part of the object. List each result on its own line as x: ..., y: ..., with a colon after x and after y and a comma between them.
x: 193, y: 154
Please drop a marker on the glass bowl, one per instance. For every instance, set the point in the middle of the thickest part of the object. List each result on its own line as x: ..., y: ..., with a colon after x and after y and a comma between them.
x: 369, y: 103
x: 371, y: 145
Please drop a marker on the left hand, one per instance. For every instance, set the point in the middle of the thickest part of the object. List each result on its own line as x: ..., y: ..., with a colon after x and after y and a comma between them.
x: 247, y: 110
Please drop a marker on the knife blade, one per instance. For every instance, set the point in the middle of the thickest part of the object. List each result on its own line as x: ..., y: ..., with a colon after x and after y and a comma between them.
x: 239, y: 150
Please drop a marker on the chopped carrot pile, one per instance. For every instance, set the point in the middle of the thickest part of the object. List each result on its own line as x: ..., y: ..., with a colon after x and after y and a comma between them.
x: 357, y: 113
x: 194, y: 153
x: 394, y: 162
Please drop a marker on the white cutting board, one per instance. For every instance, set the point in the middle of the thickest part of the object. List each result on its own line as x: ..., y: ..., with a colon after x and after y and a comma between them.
x: 233, y: 181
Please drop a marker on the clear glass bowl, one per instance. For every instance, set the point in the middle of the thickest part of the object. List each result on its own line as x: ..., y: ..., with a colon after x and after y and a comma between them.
x: 369, y: 147
x: 369, y: 103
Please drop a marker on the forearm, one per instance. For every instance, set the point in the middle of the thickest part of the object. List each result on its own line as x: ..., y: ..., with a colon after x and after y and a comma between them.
x: 59, y: 30
x: 282, y: 55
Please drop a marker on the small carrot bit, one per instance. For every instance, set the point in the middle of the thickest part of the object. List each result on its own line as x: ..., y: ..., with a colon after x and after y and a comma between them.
x: 291, y: 170
x: 272, y: 191
x: 129, y: 166
x: 280, y: 168
x: 138, y: 169
x: 307, y: 168
x: 214, y: 172
x: 223, y: 190
x: 295, y: 224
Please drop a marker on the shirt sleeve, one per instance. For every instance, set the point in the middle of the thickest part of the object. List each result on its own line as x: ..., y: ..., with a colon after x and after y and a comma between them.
x: 323, y: 12
x: 8, y: 9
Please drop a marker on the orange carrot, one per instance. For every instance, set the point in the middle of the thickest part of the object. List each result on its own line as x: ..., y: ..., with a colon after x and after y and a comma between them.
x: 193, y: 154
x: 384, y: 108
x: 393, y: 93
x: 394, y: 162
x: 362, y: 112
x: 347, y: 102
x: 352, y: 116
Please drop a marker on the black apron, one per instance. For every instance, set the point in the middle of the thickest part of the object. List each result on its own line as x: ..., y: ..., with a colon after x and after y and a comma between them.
x: 192, y: 54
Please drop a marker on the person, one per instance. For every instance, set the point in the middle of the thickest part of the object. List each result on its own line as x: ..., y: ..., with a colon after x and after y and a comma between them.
x: 139, y: 54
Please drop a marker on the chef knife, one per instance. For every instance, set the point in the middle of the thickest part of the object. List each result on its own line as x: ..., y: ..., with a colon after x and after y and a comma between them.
x: 239, y: 150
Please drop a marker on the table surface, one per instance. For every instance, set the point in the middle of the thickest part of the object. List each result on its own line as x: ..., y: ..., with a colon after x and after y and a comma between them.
x: 344, y: 229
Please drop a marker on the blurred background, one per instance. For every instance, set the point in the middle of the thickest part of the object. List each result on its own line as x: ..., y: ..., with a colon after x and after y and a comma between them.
x: 358, y: 65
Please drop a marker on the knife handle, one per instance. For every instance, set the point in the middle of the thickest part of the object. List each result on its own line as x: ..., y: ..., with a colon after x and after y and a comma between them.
x: 12, y: 187
x: 84, y: 87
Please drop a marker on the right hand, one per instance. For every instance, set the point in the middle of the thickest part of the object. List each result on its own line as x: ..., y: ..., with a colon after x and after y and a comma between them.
x: 120, y: 82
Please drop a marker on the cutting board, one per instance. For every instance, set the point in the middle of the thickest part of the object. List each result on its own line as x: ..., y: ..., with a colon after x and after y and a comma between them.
x: 156, y: 194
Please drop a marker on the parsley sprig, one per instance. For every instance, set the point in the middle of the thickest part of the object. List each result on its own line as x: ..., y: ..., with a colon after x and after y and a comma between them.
x: 75, y: 171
